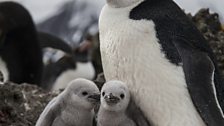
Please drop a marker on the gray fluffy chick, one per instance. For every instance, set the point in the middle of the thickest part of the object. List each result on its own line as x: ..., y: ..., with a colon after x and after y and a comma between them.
x: 73, y: 107
x: 117, y: 108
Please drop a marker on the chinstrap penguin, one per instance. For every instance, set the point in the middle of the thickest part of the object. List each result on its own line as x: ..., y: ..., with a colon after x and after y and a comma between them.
x: 73, y: 107
x: 170, y: 70
x: 117, y: 108
x: 57, y: 58
x: 20, y: 52
x: 70, y: 66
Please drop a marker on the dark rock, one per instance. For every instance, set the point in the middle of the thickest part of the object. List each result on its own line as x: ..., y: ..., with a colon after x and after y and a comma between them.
x: 21, y: 105
x: 100, y: 80
x: 210, y: 26
x: 207, y: 22
x: 1, y: 77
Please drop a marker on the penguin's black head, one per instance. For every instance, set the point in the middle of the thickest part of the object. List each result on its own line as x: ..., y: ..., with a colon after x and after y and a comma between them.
x: 122, y: 3
x: 13, y: 16
x: 18, y: 36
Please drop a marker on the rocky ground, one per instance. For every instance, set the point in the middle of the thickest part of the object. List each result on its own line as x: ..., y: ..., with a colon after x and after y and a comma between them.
x: 21, y: 105
x: 213, y: 31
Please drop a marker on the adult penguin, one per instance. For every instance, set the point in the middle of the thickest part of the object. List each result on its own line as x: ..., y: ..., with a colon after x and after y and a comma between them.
x: 20, y: 52
x: 153, y: 47
x: 57, y: 74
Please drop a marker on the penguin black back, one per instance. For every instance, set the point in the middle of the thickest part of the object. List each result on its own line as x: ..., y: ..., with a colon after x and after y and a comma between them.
x: 175, y: 30
x: 168, y: 17
x: 20, y: 48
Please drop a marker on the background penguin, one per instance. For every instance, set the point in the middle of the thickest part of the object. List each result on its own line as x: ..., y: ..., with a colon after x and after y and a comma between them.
x: 21, y: 56
x: 73, y: 107
x: 50, y: 41
x: 62, y: 67
x: 115, y: 101
x: 170, y: 70
x: 20, y: 52
x: 57, y: 57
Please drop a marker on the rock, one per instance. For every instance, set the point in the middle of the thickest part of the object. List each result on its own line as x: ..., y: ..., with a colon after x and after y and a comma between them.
x: 100, y: 80
x: 1, y: 77
x: 207, y: 22
x: 21, y: 105
x: 210, y: 26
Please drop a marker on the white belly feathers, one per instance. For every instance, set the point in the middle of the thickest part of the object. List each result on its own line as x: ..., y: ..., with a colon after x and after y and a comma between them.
x: 131, y: 53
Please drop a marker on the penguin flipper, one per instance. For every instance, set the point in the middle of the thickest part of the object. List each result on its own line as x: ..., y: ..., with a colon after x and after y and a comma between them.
x: 49, y: 114
x: 199, y: 73
x: 135, y: 114
x: 48, y: 40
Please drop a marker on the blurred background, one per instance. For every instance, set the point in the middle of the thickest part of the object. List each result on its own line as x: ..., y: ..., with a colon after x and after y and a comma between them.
x: 76, y: 19
x: 82, y: 15
x: 79, y: 18
x: 192, y: 6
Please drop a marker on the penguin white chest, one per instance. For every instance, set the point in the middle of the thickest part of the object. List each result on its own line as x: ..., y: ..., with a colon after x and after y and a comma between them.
x: 131, y: 53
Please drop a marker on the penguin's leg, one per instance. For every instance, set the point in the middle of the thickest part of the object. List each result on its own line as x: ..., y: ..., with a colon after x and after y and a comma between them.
x: 199, y: 73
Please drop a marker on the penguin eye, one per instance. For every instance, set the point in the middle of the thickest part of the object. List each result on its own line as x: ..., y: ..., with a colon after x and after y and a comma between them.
x: 122, y: 96
x: 84, y: 93
x: 103, y: 93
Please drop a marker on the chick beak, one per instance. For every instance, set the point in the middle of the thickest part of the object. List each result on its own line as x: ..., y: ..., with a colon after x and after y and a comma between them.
x: 111, y: 99
x: 94, y: 98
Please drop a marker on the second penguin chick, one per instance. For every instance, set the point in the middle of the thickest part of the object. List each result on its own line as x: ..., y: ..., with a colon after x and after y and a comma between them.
x: 117, y: 108
x: 73, y: 107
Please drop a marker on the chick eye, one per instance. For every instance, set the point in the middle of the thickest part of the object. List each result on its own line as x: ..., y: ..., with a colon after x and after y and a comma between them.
x: 122, y: 96
x: 103, y: 93
x: 84, y: 93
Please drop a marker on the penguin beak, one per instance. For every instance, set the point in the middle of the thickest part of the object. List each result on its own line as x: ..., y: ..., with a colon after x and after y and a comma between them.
x: 94, y: 98
x: 111, y: 99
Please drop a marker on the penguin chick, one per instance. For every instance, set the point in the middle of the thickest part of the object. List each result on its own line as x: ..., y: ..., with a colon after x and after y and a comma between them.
x: 117, y: 106
x: 73, y: 107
